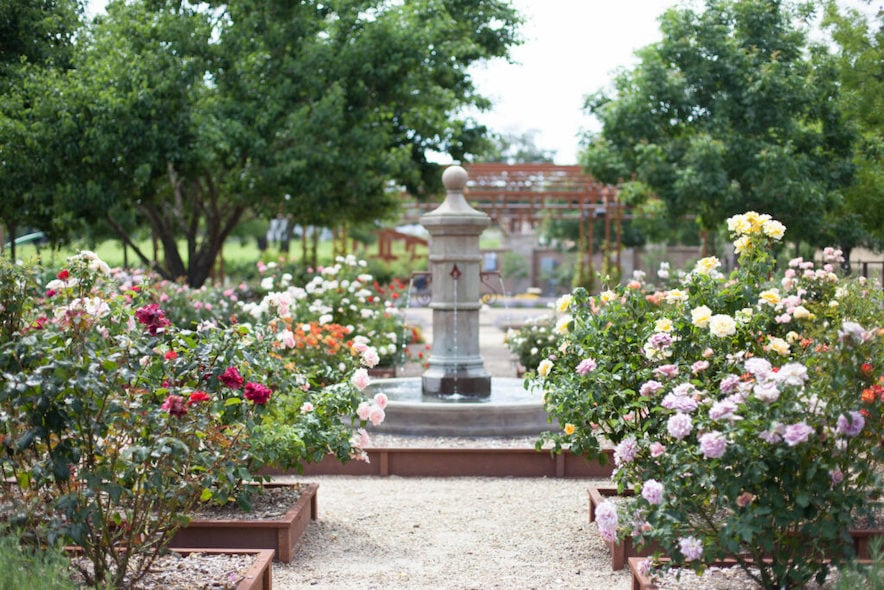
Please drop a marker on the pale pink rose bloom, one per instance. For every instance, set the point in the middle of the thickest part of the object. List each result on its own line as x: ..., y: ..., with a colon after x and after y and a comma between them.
x: 699, y: 366
x: 376, y: 415
x: 360, y: 379
x: 364, y: 439
x: 657, y: 449
x: 363, y: 411
x: 381, y: 400
x: 306, y: 407
x: 708, y: 353
x: 691, y: 548
x: 370, y: 357
x: 287, y: 338
x: 652, y: 491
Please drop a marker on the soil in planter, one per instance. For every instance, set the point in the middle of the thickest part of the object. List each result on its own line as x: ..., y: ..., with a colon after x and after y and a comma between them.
x: 195, y: 571
x: 267, y: 504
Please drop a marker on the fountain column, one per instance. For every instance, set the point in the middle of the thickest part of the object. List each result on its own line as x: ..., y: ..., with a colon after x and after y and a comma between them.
x: 455, y: 366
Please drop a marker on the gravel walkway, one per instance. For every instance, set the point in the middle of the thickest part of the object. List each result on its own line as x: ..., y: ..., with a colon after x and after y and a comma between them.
x: 450, y: 533
x: 453, y: 533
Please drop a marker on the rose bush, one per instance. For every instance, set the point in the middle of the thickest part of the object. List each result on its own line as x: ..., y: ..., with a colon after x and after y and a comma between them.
x: 530, y: 342
x: 343, y: 295
x: 746, y: 411
x: 115, y: 421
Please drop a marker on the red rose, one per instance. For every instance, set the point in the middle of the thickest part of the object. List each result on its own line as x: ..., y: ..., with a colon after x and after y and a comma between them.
x: 171, y: 355
x: 197, y: 397
x: 231, y: 378
x: 174, y: 404
x: 256, y: 393
x: 63, y: 275
x: 153, y: 317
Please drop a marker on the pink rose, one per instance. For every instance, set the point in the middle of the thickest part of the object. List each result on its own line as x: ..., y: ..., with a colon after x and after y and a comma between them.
x: 360, y: 379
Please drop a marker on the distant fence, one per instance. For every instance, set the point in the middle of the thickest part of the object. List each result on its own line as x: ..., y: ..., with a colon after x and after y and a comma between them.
x: 871, y: 269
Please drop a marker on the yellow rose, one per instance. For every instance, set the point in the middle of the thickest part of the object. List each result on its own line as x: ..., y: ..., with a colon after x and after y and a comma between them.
x: 607, y: 296
x: 563, y: 303
x: 774, y: 229
x: 802, y: 313
x: 700, y: 316
x: 722, y: 325
x: 739, y: 225
x: 777, y: 345
x: 676, y: 296
x: 569, y: 429
x: 706, y: 265
x: 771, y: 296
x: 562, y: 324
x: 663, y: 325
x: 544, y: 367
x: 742, y: 244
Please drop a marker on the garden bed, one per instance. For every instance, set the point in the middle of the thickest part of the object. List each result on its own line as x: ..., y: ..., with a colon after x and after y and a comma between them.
x: 255, y: 530
x: 222, y: 569
x: 461, y: 462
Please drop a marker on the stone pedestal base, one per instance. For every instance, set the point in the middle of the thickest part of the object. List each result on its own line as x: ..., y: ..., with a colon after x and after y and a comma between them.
x: 470, y: 383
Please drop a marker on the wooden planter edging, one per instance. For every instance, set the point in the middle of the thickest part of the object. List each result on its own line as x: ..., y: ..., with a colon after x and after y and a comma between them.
x: 281, y: 535
x: 460, y: 462
x: 620, y: 550
x: 641, y: 581
x: 258, y: 577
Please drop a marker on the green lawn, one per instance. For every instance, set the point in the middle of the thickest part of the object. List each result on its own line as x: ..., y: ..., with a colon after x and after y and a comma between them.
x: 238, y: 254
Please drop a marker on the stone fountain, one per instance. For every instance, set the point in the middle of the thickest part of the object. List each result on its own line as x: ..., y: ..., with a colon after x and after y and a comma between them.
x: 455, y: 366
x: 456, y: 396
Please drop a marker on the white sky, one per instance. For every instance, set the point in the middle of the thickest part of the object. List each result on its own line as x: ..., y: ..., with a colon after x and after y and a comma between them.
x: 571, y: 49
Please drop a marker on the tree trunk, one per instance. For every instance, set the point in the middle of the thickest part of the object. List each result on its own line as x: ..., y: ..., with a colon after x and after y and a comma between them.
x: 314, y: 247
x: 12, y: 241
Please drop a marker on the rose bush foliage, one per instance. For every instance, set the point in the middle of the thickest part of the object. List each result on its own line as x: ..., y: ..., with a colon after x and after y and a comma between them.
x: 745, y: 410
x: 115, y: 421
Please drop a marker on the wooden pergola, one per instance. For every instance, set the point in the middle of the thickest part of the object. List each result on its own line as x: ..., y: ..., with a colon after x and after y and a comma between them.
x: 518, y: 197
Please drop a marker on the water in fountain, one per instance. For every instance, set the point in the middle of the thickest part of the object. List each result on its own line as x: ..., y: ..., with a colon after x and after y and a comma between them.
x: 456, y: 395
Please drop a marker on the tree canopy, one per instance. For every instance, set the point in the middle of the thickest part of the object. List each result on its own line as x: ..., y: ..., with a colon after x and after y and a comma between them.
x: 859, y: 58
x: 37, y: 37
x: 183, y: 117
x: 735, y: 109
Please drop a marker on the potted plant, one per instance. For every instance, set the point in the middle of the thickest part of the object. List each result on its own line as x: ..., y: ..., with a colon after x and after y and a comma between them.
x: 745, y: 410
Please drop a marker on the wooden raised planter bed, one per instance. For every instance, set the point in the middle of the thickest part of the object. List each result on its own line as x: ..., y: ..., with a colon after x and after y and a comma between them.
x: 258, y: 577
x: 281, y: 535
x: 621, y: 551
x: 642, y: 581
x: 461, y: 462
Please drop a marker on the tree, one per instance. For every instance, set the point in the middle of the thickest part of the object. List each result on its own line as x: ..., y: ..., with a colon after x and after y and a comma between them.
x: 36, y: 38
x: 860, y: 62
x: 192, y: 114
x: 733, y: 110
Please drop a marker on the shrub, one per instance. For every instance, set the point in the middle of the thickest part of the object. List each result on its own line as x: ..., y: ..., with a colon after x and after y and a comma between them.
x: 115, y: 421
x: 746, y: 411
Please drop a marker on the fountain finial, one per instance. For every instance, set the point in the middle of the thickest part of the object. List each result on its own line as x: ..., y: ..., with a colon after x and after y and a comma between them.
x: 454, y: 178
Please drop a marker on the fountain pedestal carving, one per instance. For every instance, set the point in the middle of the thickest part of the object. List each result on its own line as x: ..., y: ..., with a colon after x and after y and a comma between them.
x: 455, y: 367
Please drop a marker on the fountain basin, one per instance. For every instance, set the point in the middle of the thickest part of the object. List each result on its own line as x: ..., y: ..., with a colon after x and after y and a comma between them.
x: 509, y: 410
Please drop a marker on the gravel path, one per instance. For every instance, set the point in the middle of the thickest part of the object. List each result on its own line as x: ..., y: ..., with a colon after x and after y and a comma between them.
x: 453, y: 533
x: 457, y: 533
